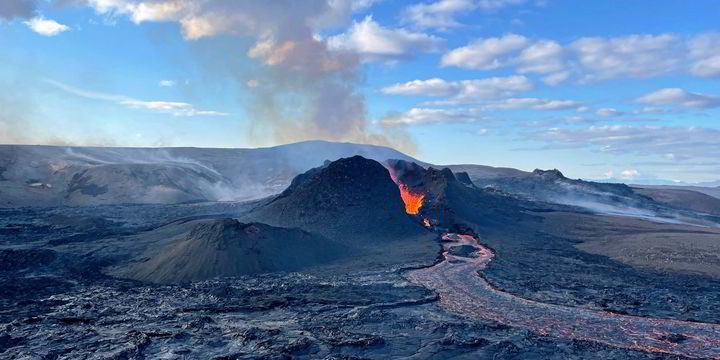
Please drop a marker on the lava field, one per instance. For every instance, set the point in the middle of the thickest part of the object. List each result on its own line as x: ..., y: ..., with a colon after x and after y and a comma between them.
x: 354, y: 260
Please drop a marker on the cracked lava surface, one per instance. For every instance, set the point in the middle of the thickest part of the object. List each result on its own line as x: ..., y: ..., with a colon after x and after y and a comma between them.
x: 464, y: 291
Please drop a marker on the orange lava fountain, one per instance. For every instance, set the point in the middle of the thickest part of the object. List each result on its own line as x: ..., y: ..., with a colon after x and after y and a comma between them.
x: 413, y: 201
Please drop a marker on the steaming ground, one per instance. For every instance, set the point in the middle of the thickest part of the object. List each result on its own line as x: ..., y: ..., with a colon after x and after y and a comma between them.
x: 84, y: 176
x: 316, y: 270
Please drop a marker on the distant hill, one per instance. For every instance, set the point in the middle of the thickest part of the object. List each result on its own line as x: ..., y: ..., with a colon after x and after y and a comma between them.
x: 709, y: 191
x: 77, y: 176
x: 683, y: 198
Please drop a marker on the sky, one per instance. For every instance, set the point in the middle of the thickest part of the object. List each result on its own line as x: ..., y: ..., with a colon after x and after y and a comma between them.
x: 614, y: 89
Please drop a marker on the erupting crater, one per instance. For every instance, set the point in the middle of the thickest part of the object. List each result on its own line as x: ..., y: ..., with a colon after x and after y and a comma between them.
x: 413, y: 201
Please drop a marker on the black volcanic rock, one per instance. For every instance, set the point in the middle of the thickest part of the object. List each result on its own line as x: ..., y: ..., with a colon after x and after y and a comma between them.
x: 355, y: 202
x: 408, y: 172
x: 452, y: 200
x: 553, y: 174
x: 351, y: 198
x: 226, y: 248
x: 13, y: 260
x: 463, y: 177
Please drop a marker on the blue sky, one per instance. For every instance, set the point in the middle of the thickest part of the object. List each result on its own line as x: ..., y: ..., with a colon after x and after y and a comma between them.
x: 599, y: 89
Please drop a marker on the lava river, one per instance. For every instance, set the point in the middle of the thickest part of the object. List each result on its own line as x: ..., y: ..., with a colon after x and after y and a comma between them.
x: 462, y: 290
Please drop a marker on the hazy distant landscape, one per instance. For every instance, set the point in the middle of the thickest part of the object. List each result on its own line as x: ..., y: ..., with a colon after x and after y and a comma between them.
x: 253, y: 236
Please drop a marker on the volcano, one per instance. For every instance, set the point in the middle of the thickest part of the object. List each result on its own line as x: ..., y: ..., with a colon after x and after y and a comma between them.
x: 353, y: 201
x: 226, y: 248
x: 452, y: 199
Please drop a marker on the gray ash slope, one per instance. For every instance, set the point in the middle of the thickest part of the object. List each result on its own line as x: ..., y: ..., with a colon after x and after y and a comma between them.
x: 552, y: 186
x: 683, y: 198
x: 81, y: 176
x: 228, y: 248
x: 353, y: 201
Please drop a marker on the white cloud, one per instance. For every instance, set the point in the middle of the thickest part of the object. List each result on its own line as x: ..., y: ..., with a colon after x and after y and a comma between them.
x: 535, y: 104
x: 167, y: 83
x: 704, y: 52
x: 168, y: 107
x: 463, y: 90
x: 421, y: 116
x: 654, y: 110
x: 556, y: 78
x: 630, y: 174
x: 485, y: 54
x: 590, y: 59
x: 626, y: 56
x: 46, y: 27
x: 442, y: 14
x: 680, y: 97
x: 683, y: 142
x: 375, y: 42
x: 709, y: 67
x: 536, y: 57
x: 607, y: 112
x: 430, y: 87
x: 542, y: 57
x: 439, y: 14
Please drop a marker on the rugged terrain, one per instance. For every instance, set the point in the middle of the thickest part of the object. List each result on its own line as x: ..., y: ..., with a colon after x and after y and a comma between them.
x: 325, y: 269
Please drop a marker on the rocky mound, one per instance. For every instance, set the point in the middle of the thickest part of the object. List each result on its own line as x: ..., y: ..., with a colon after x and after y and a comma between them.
x: 452, y: 200
x: 226, y: 248
x: 352, y: 200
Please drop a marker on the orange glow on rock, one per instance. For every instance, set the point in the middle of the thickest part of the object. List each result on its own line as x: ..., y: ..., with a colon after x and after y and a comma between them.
x: 413, y: 201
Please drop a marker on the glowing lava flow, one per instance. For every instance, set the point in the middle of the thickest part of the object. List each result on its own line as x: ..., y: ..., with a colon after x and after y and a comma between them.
x: 463, y: 291
x: 413, y: 201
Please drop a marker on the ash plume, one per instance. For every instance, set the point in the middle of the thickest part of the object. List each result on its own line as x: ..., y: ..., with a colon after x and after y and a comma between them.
x: 300, y: 89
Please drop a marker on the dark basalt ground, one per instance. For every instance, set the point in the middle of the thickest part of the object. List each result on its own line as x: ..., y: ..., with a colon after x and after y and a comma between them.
x: 535, y: 264
x: 65, y: 308
x: 57, y: 300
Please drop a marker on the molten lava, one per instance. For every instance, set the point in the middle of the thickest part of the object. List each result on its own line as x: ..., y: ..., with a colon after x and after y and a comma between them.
x: 413, y: 201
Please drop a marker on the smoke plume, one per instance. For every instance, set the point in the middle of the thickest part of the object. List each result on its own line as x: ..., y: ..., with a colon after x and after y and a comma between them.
x: 300, y: 89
